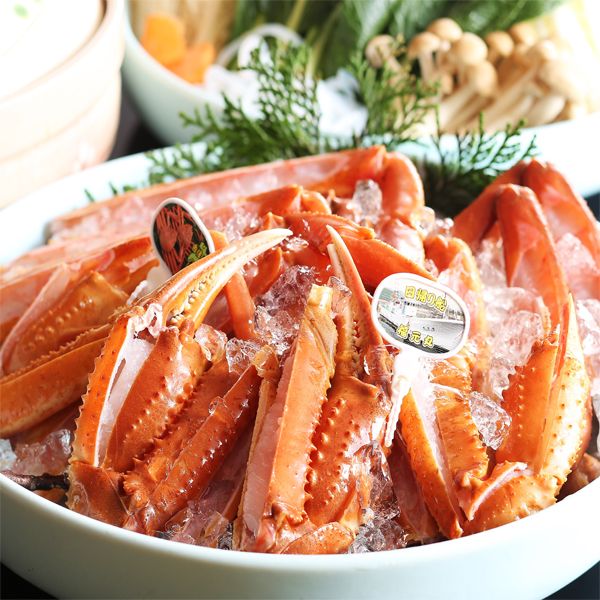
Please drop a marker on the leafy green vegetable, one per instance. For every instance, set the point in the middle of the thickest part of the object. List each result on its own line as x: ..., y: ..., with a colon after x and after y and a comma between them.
x: 410, y: 18
x: 339, y: 28
x: 462, y: 173
x: 358, y: 22
x: 484, y: 17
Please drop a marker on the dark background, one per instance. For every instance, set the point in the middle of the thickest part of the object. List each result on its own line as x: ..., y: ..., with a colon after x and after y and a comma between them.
x: 133, y: 137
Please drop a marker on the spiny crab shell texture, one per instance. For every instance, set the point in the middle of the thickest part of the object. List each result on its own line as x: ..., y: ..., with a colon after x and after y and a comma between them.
x: 284, y: 429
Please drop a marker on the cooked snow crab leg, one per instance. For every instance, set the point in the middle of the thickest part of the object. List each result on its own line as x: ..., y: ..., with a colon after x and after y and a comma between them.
x: 306, y: 488
x: 358, y: 404
x: 546, y: 400
x: 147, y: 371
x: 530, y: 255
x: 567, y: 216
x: 272, y: 513
x: 336, y: 172
x: 51, y: 349
x: 51, y: 304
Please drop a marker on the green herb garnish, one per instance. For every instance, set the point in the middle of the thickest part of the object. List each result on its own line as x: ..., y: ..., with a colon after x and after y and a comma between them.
x: 462, y: 173
x: 288, y: 125
x: 396, y: 101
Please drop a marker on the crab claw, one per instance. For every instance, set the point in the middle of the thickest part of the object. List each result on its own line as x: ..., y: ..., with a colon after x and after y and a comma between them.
x: 529, y: 250
x: 148, y: 370
x: 546, y: 399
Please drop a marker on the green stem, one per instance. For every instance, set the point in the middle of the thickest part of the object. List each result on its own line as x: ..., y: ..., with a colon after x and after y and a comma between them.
x: 319, y: 45
x: 295, y: 17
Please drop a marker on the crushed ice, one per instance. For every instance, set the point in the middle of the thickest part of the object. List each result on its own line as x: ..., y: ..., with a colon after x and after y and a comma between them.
x: 279, y: 311
x: 49, y: 456
x: 7, y: 456
x: 341, y: 296
x: 212, y: 341
x: 379, y: 532
x: 490, y: 418
x: 241, y: 353
x: 588, y: 319
x: 367, y: 198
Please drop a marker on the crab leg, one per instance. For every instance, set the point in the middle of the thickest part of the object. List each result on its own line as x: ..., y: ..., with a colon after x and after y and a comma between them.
x: 337, y: 170
x: 272, y: 509
x: 529, y: 250
x: 48, y: 385
x: 358, y: 404
x: 113, y: 427
x: 123, y: 264
x: 183, y: 462
x: 549, y: 394
x: 86, y: 305
x: 472, y: 224
x: 569, y: 216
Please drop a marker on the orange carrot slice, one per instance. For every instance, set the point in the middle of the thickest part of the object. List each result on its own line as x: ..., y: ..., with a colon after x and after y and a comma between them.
x: 164, y: 38
x: 195, y: 61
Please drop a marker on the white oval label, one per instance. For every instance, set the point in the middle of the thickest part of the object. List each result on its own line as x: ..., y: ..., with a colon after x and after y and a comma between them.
x: 178, y: 235
x: 420, y: 316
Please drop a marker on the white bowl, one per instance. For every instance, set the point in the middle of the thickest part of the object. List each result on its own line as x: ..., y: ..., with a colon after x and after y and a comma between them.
x: 160, y: 96
x: 67, y: 119
x: 69, y: 555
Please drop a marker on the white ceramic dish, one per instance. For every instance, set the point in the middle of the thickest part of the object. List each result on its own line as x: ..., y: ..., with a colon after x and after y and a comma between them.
x: 160, y: 96
x: 72, y: 113
x: 69, y: 555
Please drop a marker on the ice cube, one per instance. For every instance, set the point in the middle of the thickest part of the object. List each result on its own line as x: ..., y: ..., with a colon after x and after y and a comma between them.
x: 279, y: 330
x: 372, y: 473
x: 579, y: 266
x: 516, y: 336
x: 290, y: 291
x: 240, y: 353
x: 235, y: 228
x: 341, y: 296
x: 7, y: 456
x: 502, y: 302
x: 588, y: 319
x: 378, y: 535
x: 491, y: 420
x: 50, y: 456
x: 212, y: 341
x: 360, y: 545
x: 496, y: 379
x: 490, y: 262
x: 214, y: 527
x: 368, y: 198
